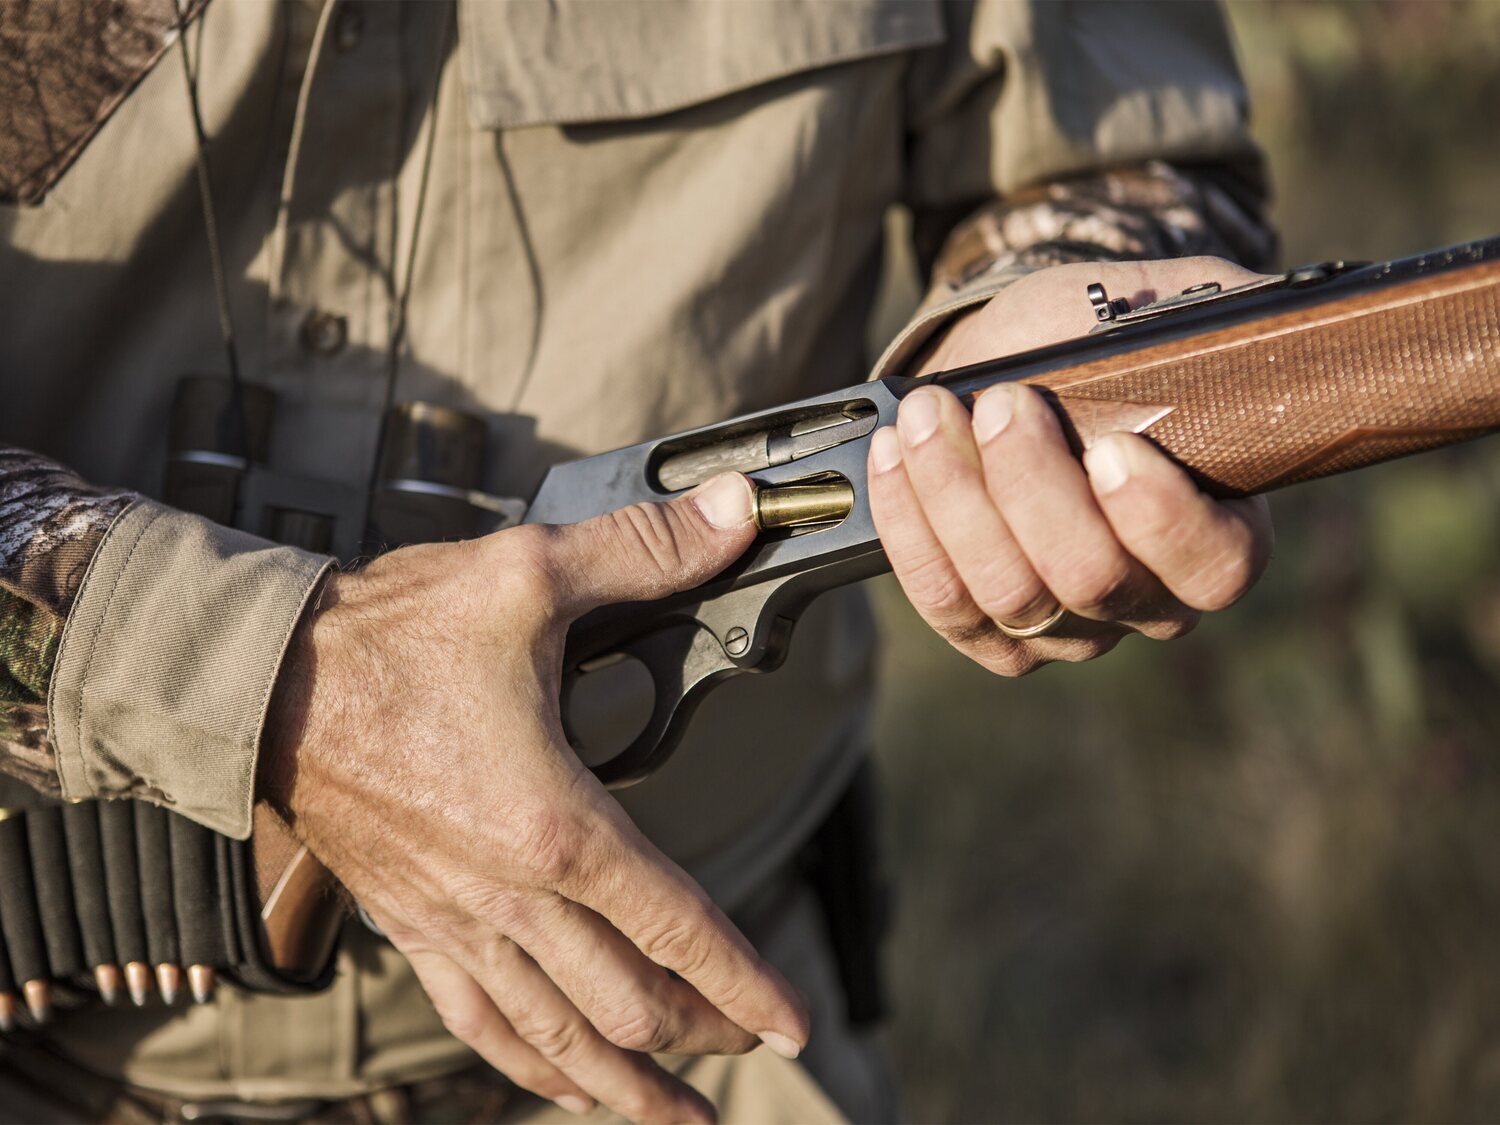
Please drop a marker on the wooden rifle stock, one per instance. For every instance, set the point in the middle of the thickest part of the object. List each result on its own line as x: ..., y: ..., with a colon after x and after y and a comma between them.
x: 1289, y: 391
x: 1307, y: 392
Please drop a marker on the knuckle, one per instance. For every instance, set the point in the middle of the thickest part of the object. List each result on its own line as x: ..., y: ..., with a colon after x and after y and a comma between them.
x: 530, y: 562
x: 1008, y: 589
x: 736, y: 991
x: 547, y: 846
x: 650, y: 530
x: 677, y: 942
x: 638, y: 1028
x: 1094, y: 585
x: 560, y: 1041
x: 1016, y: 658
x: 496, y: 906
x: 934, y: 587
x: 973, y: 638
x: 1224, y: 581
x: 1082, y: 651
x: 465, y: 1021
x: 1174, y: 627
x: 1023, y: 602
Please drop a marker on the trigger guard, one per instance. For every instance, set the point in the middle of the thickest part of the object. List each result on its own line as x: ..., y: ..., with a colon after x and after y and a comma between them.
x: 683, y: 660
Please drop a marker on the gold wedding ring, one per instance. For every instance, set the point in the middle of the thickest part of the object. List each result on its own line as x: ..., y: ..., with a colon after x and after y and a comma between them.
x: 1041, y: 629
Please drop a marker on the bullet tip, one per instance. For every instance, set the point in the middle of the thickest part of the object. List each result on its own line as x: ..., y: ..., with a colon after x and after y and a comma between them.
x: 201, y: 982
x: 107, y: 980
x: 7, y: 1011
x: 138, y: 981
x: 38, y: 999
x: 168, y: 982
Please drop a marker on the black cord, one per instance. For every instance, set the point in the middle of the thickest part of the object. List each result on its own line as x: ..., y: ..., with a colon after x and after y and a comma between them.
x: 403, y: 295
x: 238, y: 431
x: 398, y: 308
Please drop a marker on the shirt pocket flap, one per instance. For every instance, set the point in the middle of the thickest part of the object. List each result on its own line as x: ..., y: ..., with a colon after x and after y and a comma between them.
x: 540, y: 62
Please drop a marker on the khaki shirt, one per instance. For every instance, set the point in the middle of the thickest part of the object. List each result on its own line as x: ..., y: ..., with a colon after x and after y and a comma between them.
x: 639, y: 217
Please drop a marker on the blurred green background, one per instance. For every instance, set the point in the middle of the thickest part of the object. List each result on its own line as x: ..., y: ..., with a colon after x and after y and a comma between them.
x: 1253, y: 875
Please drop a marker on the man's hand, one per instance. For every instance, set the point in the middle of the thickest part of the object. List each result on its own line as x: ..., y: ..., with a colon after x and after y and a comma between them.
x: 415, y: 741
x: 991, y: 518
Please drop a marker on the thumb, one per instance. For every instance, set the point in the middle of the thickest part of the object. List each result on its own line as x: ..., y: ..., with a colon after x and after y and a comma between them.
x: 647, y: 551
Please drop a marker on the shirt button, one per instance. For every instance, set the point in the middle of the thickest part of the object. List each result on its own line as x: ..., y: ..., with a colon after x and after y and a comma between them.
x: 325, y: 333
x: 349, y: 28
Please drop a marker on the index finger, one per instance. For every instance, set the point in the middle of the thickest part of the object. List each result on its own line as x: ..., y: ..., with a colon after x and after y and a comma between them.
x: 671, y: 920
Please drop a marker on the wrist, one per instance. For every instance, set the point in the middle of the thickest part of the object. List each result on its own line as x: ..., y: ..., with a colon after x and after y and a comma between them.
x: 289, y: 713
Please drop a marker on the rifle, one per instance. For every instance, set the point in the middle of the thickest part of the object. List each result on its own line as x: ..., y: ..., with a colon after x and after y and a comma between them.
x: 1317, y: 371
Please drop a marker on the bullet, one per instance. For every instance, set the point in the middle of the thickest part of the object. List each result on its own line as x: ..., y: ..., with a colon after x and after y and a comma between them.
x: 38, y: 999
x: 138, y: 981
x: 804, y: 504
x: 168, y: 982
x: 8, y: 1004
x: 107, y: 981
x: 201, y: 983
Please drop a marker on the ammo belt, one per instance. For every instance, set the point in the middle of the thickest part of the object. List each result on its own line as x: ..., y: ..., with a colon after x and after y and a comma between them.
x: 96, y: 894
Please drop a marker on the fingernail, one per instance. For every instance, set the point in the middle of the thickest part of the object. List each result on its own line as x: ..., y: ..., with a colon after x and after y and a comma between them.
x: 1107, y: 465
x: 723, y: 501
x: 918, y: 417
x: 574, y: 1104
x: 785, y: 1047
x: 885, y: 449
x: 993, y: 411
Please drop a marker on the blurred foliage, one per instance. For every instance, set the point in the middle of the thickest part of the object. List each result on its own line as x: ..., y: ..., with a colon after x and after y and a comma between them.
x: 1248, y: 875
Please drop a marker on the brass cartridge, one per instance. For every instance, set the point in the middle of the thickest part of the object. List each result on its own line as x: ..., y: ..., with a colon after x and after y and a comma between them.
x: 803, y: 505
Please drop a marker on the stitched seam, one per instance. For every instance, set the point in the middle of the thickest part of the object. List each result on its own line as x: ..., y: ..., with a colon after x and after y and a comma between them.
x: 314, y: 592
x: 62, y: 641
x: 88, y: 663
x: 704, y: 95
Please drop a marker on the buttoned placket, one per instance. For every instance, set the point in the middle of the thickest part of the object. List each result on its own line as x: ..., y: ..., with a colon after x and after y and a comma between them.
x: 335, y: 234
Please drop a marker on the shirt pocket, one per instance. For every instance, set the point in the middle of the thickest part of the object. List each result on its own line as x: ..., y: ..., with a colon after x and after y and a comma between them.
x: 561, y: 62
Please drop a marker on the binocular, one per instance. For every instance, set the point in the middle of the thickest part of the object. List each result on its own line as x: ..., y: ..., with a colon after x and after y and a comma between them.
x: 425, y: 486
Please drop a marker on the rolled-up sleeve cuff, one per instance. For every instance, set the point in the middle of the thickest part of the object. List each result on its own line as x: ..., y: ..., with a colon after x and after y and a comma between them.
x: 935, y: 315
x: 166, y: 665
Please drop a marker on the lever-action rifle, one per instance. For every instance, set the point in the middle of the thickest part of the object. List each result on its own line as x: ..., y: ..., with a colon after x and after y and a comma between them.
x: 1314, y: 372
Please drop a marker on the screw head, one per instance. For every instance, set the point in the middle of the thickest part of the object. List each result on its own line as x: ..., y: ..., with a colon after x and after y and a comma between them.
x: 737, y: 641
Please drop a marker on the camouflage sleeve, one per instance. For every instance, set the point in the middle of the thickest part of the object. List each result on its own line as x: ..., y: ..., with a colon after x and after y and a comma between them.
x: 51, y: 523
x: 1154, y: 210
